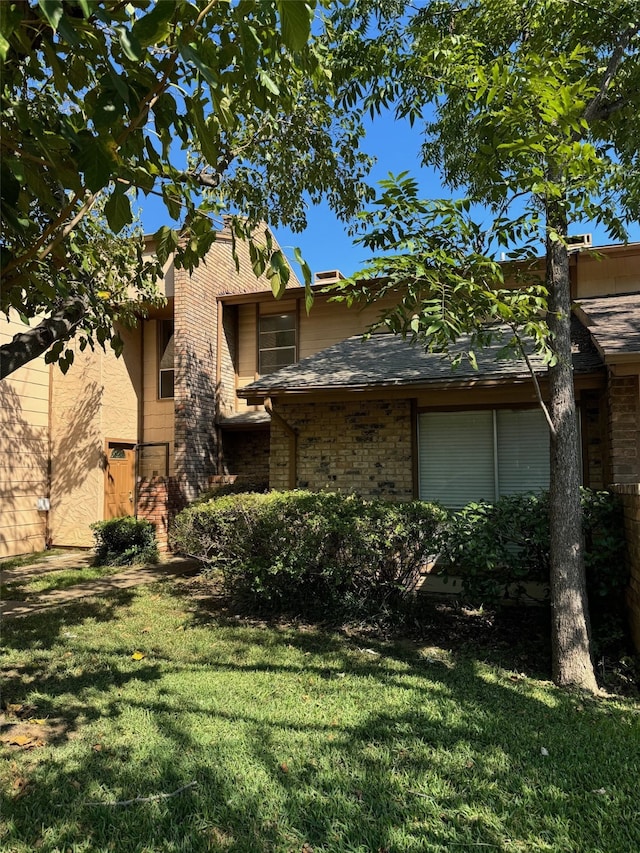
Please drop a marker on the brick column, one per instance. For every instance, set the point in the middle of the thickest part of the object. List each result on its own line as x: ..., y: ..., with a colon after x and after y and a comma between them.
x: 630, y: 495
x: 624, y: 429
x: 159, y: 500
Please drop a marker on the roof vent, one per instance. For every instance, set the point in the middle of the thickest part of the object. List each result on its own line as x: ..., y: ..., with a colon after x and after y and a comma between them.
x: 327, y: 277
x: 579, y: 241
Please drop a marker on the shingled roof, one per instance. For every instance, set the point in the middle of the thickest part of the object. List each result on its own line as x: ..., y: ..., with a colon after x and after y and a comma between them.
x: 386, y: 360
x: 614, y: 323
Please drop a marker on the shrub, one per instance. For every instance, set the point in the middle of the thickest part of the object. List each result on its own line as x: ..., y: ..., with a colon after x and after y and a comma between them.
x: 494, y: 546
x: 123, y: 541
x: 310, y: 551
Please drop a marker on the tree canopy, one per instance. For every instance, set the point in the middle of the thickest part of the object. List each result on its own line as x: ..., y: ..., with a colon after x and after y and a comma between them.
x: 210, y: 106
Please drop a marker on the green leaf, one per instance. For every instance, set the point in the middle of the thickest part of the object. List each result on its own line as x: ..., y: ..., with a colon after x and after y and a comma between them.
x: 4, y: 47
x: 190, y: 53
x: 53, y: 11
x: 130, y: 44
x: 95, y: 161
x: 154, y: 27
x: 304, y: 266
x: 295, y: 22
x: 267, y: 82
x: 166, y: 240
x: 118, y: 211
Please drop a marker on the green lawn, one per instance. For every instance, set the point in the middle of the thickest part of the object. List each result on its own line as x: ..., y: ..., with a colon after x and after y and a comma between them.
x: 297, y: 740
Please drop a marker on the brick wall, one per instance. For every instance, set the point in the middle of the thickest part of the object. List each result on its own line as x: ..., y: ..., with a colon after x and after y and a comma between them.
x: 624, y: 429
x: 594, y: 430
x: 363, y: 447
x: 196, y: 328
x: 159, y: 500
x: 630, y: 494
x: 246, y: 452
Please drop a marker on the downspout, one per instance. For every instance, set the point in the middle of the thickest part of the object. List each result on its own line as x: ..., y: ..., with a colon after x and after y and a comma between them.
x: 293, y: 442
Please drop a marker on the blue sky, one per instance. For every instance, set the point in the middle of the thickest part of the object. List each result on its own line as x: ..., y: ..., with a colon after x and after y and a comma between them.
x: 325, y: 244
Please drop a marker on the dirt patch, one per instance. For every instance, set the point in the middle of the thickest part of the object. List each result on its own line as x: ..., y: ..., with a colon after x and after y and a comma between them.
x: 30, y: 734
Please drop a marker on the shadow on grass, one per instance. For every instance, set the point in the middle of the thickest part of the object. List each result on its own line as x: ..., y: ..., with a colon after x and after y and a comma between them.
x: 300, y: 737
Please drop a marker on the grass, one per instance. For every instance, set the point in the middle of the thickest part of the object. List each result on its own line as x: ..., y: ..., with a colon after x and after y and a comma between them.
x: 28, y: 559
x: 298, y: 739
x: 21, y: 590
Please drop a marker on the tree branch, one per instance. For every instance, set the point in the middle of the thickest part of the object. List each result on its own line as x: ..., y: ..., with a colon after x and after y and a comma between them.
x: 30, y: 344
x: 593, y: 107
x: 536, y: 384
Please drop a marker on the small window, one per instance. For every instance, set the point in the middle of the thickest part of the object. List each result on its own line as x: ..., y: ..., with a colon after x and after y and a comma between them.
x: 277, y: 342
x: 117, y: 453
x: 165, y: 359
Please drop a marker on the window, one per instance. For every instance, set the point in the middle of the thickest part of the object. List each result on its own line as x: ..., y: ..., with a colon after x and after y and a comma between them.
x: 277, y: 342
x: 482, y: 455
x: 165, y: 358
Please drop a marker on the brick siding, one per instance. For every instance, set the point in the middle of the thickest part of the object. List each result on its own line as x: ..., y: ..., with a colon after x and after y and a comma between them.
x: 630, y: 495
x: 246, y: 452
x: 196, y: 397
x: 159, y: 501
x: 624, y: 429
x: 363, y: 447
x: 594, y: 429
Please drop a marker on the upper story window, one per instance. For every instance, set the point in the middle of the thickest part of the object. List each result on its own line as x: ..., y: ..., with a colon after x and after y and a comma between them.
x: 165, y: 359
x: 276, y: 342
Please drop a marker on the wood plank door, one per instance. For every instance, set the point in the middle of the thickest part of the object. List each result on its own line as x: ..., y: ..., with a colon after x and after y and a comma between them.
x: 119, y: 480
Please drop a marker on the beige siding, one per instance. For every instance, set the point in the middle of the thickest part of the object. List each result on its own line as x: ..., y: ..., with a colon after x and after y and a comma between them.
x: 617, y: 272
x: 97, y: 400
x: 24, y: 406
x: 247, y: 350
x: 158, y: 414
x: 329, y: 323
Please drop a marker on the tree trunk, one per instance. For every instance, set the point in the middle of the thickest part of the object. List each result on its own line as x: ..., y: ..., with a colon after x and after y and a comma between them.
x: 572, y: 664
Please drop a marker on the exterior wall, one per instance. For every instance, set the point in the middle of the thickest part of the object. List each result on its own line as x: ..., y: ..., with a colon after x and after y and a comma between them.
x: 157, y: 417
x: 363, y: 447
x: 618, y: 271
x: 196, y: 339
x: 97, y: 400
x: 24, y: 453
x: 630, y: 495
x: 227, y: 400
x: 327, y: 323
x: 594, y: 440
x: 624, y: 428
x: 246, y: 452
x: 159, y: 500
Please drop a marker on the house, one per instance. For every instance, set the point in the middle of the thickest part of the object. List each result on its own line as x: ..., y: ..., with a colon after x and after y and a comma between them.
x: 134, y: 435
x: 226, y: 381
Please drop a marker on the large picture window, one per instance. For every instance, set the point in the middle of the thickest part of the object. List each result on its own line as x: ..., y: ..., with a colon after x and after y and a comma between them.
x: 481, y: 455
x: 165, y: 359
x: 277, y: 342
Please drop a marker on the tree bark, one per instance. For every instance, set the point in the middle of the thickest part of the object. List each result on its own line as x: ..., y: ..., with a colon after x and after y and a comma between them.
x: 25, y: 346
x: 571, y: 654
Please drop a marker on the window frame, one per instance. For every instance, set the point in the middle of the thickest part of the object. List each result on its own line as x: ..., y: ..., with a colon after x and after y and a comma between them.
x: 293, y: 314
x: 495, y: 461
x: 161, y: 347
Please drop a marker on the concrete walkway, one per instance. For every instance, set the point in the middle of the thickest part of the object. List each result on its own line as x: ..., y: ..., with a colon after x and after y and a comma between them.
x: 170, y: 567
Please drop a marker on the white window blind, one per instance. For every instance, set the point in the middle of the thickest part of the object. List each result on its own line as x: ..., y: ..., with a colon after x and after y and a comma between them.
x: 456, y: 457
x: 523, y: 451
x: 471, y: 456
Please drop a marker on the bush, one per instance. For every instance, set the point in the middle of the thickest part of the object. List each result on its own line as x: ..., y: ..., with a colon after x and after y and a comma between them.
x: 310, y: 551
x: 124, y: 541
x: 494, y: 546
